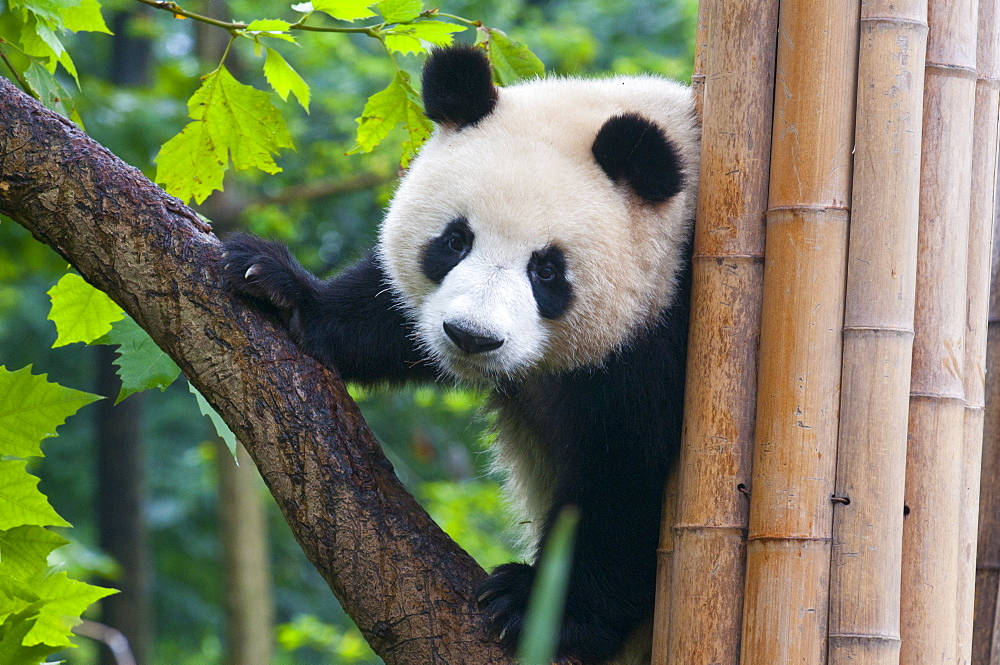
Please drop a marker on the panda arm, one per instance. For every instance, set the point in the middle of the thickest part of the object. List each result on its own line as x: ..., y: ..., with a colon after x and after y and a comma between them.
x: 349, y: 322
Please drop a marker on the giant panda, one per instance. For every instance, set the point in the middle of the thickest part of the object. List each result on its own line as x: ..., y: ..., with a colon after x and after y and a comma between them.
x: 538, y: 246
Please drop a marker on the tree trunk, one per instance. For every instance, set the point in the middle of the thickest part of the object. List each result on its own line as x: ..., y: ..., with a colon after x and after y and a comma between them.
x: 407, y: 586
x: 246, y: 560
x: 121, y: 517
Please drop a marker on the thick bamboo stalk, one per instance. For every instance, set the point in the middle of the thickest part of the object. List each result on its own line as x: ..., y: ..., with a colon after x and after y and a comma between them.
x: 986, y: 636
x: 798, y: 397
x: 878, y: 335
x: 984, y: 180
x: 931, y: 530
x: 665, y: 550
x: 708, y: 559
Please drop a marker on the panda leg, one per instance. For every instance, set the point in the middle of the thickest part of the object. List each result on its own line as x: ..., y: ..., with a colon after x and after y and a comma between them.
x: 350, y: 322
x: 610, y: 590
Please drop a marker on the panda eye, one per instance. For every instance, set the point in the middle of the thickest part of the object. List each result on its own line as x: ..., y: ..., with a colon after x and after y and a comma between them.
x: 457, y: 243
x: 546, y: 272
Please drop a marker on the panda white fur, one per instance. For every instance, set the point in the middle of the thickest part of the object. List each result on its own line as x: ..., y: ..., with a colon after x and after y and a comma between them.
x: 539, y: 246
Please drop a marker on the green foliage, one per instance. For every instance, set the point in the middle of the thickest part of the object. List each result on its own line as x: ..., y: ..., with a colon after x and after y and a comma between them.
x: 31, y: 409
x: 344, y: 646
x: 20, y: 501
x: 284, y: 79
x: 40, y: 24
x: 85, y: 314
x: 81, y: 312
x: 229, y: 119
x: 511, y: 60
x: 141, y: 364
x: 38, y: 605
x: 548, y: 594
x: 470, y: 513
x: 397, y: 104
x: 221, y: 428
x: 344, y: 10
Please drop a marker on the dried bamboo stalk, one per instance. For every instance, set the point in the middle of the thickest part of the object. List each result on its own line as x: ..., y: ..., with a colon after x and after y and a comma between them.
x: 798, y: 396
x: 931, y: 531
x: 707, y: 578
x: 984, y: 180
x: 986, y: 635
x: 878, y: 334
x: 665, y: 549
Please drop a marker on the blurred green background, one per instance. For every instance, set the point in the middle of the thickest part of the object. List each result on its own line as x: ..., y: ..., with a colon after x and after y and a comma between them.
x: 326, y: 205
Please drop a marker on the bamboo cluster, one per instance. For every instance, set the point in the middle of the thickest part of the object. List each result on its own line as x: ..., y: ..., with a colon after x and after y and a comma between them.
x: 860, y: 533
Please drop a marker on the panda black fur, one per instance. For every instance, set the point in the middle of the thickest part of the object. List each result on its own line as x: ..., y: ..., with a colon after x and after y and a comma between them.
x: 539, y: 246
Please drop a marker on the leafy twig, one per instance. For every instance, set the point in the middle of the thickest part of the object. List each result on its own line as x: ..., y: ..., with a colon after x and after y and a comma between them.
x: 13, y: 70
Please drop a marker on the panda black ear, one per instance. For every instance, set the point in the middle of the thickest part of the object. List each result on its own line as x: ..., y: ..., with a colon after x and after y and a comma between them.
x: 634, y: 151
x: 458, y: 87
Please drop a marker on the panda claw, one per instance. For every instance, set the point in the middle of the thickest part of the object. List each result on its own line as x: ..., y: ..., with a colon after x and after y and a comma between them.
x: 252, y: 270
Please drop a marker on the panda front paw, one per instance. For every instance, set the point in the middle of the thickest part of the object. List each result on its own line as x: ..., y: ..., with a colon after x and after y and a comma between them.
x: 262, y: 270
x: 503, y: 601
x: 584, y: 637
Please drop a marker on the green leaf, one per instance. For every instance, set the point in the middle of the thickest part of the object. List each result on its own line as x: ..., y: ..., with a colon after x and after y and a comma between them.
x: 50, y: 91
x: 229, y: 120
x: 438, y: 33
x: 32, y: 408
x: 268, y: 25
x: 344, y: 10
x: 20, y: 501
x: 67, y: 599
x: 274, y: 28
x: 511, y: 60
x: 284, y: 79
x: 386, y: 109
x: 85, y: 17
x: 401, y: 42
x: 417, y: 37
x: 221, y: 428
x: 12, y: 634
x: 548, y: 593
x: 81, y: 312
x: 142, y: 365
x: 52, y: 10
x: 399, y: 11
x: 24, y: 550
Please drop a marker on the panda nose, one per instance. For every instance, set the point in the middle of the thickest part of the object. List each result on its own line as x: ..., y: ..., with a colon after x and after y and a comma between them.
x: 469, y: 342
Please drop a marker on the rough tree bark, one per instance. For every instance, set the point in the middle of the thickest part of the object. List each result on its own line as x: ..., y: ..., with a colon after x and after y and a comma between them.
x: 404, y: 582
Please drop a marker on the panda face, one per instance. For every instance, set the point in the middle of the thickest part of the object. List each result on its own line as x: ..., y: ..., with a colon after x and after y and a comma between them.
x: 516, y: 251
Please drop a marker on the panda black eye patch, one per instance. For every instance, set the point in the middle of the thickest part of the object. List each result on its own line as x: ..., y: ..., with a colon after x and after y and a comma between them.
x: 447, y: 250
x: 553, y: 292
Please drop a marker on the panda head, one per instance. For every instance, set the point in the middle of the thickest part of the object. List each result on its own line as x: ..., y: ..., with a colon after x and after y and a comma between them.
x: 542, y: 225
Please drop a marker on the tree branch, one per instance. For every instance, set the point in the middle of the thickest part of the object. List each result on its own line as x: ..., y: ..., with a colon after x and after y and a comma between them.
x: 402, y: 580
